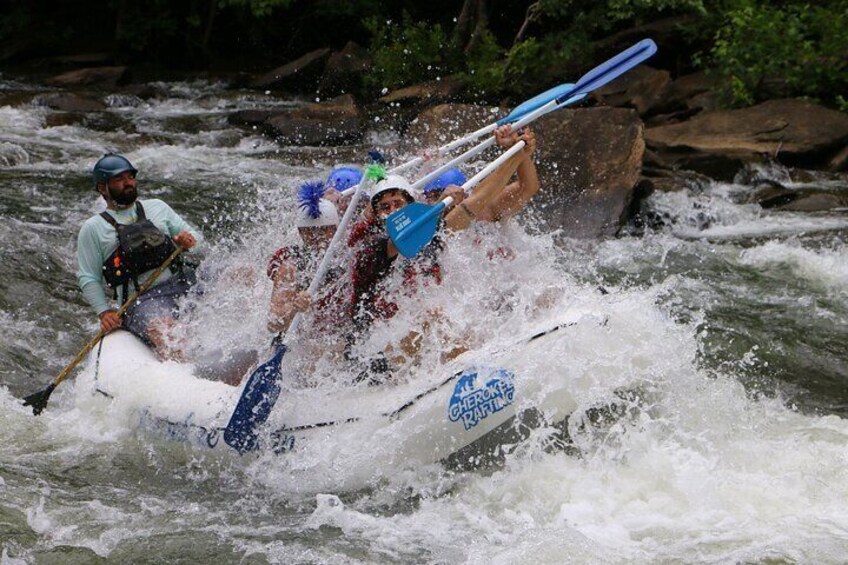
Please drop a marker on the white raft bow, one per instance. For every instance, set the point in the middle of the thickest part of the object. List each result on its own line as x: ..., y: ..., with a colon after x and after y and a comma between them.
x: 465, y: 408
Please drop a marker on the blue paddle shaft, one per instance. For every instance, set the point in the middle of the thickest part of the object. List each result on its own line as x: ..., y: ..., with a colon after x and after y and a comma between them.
x: 536, y: 102
x: 611, y: 69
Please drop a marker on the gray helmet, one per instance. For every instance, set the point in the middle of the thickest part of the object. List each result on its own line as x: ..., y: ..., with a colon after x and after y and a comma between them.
x: 110, y: 166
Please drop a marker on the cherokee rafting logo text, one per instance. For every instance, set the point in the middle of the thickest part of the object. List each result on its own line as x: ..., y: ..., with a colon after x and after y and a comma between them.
x: 472, y: 403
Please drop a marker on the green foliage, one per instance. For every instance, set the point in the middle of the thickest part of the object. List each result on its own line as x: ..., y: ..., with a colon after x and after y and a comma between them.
x: 407, y: 53
x: 534, y: 64
x: 484, y: 65
x: 605, y: 15
x: 259, y: 8
x: 763, y: 51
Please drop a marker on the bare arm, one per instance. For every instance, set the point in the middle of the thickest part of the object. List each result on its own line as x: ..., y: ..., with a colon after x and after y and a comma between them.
x: 478, y: 205
x: 516, y: 195
x: 286, y: 300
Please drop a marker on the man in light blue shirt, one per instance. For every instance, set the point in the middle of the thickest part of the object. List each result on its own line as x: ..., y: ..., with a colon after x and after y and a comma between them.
x: 127, y: 263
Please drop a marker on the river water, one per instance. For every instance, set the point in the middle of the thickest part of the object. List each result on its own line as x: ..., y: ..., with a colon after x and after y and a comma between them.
x: 731, y: 445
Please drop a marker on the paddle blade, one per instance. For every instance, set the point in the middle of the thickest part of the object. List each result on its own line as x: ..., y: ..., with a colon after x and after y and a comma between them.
x: 536, y: 102
x: 413, y: 227
x: 38, y: 400
x: 611, y: 69
x: 253, y: 408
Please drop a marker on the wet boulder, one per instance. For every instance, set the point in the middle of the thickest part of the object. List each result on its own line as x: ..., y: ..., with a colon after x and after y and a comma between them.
x: 59, y: 119
x: 589, y: 163
x: 345, y: 70
x: 640, y: 88
x: 685, y: 96
x: 334, y: 121
x: 95, y: 77
x: 718, y: 143
x: 427, y: 93
x: 251, y: 117
x: 839, y: 161
x: 300, y: 75
x: 68, y: 102
x: 446, y: 122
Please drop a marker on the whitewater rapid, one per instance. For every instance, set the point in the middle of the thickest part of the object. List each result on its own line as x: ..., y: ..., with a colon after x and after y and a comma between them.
x: 711, y: 428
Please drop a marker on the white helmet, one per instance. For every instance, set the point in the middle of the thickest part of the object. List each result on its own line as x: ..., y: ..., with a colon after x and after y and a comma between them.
x: 393, y: 182
x: 314, y: 210
x: 328, y: 215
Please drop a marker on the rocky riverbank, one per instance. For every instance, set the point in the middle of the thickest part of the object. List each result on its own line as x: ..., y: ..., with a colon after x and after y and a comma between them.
x: 645, y: 131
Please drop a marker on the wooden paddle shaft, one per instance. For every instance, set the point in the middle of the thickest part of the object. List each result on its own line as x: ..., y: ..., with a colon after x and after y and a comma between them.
x: 121, y: 311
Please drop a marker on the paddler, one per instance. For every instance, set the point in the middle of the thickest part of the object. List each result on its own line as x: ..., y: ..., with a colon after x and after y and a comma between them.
x: 496, y: 199
x: 341, y: 178
x: 122, y: 246
x: 291, y: 268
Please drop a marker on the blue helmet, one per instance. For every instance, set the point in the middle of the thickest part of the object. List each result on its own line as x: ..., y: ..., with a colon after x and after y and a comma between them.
x: 342, y: 178
x: 111, y: 165
x: 441, y: 182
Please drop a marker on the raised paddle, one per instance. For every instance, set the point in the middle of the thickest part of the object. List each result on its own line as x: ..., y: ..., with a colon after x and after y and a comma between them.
x: 38, y: 400
x: 412, y: 227
x: 262, y: 390
x: 517, y: 113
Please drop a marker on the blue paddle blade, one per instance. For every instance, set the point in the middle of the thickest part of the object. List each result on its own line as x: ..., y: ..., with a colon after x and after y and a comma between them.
x: 413, y: 226
x: 535, y: 103
x: 253, y: 408
x: 611, y: 69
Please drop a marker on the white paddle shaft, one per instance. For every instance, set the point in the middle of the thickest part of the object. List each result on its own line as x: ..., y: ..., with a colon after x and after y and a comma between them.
x: 487, y: 170
x: 327, y: 260
x: 480, y: 147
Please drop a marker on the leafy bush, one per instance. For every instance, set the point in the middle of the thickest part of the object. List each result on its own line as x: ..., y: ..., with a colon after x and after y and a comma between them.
x: 764, y: 51
x: 484, y: 66
x: 413, y: 52
x: 407, y: 53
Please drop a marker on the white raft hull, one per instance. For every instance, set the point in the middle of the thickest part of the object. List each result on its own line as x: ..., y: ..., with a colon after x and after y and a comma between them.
x: 469, y: 403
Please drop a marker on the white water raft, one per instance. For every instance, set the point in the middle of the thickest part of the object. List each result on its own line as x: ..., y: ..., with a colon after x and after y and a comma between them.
x: 446, y: 414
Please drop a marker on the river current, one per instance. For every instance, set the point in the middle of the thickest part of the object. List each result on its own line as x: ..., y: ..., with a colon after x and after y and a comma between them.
x: 729, y: 444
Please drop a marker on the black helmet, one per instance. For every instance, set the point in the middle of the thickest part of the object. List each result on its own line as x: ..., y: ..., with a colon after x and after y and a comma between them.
x: 110, y: 166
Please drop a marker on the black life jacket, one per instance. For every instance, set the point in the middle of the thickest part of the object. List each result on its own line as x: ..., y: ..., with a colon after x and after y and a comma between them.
x: 141, y: 247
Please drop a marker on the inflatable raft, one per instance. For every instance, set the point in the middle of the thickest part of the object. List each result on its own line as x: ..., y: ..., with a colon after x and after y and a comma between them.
x: 469, y: 406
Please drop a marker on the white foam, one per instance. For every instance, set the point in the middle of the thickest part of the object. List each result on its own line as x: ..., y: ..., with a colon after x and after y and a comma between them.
x: 826, y: 267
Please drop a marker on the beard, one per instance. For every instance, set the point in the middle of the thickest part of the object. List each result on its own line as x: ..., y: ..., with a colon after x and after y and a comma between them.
x: 125, y: 197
